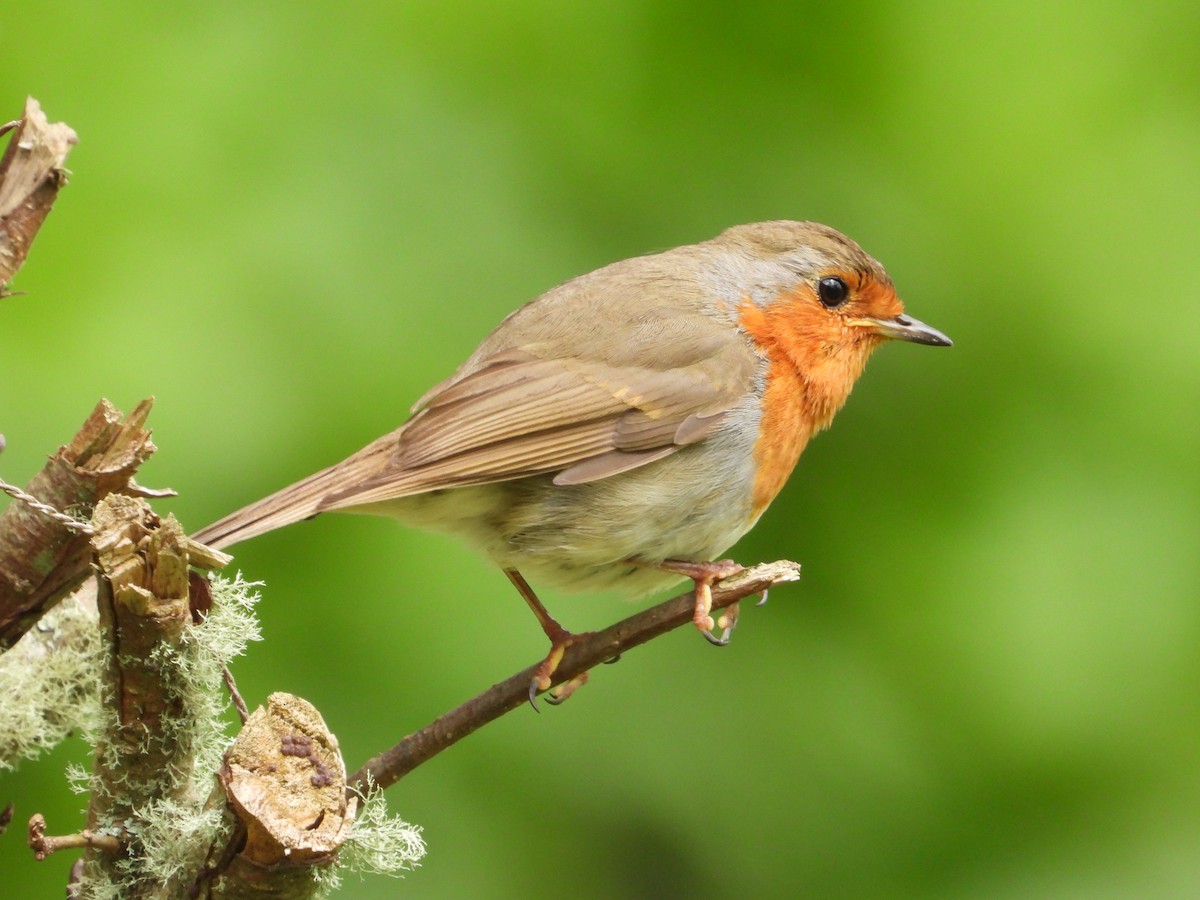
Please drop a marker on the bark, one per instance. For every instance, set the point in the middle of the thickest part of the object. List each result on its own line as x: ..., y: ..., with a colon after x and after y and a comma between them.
x: 42, y: 556
x: 31, y: 174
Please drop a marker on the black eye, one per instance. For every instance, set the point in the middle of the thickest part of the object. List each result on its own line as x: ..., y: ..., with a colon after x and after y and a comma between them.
x: 832, y: 291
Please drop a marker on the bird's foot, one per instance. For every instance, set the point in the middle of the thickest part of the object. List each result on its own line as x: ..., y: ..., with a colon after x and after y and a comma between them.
x: 560, y: 640
x: 704, y: 575
x: 543, y: 675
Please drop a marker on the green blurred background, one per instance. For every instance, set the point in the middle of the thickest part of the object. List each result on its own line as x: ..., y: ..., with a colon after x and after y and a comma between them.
x: 287, y: 221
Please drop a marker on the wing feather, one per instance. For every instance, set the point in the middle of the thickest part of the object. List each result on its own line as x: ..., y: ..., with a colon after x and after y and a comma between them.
x: 516, y: 413
x: 548, y: 396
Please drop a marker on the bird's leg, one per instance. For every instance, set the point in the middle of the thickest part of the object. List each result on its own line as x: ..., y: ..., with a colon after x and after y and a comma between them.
x: 703, y: 574
x: 560, y: 640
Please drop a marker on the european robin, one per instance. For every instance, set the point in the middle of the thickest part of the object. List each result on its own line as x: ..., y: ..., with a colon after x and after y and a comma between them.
x: 627, y: 427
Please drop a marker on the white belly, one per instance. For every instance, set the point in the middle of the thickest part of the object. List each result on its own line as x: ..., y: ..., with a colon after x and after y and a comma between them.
x: 692, y: 505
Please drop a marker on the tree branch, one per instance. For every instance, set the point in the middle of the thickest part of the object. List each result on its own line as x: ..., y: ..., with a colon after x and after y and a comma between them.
x: 31, y: 172
x: 44, y: 551
x: 390, y: 766
x: 285, y: 782
x: 43, y: 844
x: 41, y: 557
x: 145, y: 752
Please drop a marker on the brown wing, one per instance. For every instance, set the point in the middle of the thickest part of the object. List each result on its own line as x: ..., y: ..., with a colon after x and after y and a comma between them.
x: 516, y: 414
x: 545, y: 393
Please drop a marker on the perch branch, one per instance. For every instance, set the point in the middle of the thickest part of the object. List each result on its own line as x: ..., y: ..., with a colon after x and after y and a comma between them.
x: 390, y: 766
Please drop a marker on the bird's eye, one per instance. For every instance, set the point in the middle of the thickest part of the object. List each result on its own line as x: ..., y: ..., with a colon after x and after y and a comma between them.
x: 832, y: 291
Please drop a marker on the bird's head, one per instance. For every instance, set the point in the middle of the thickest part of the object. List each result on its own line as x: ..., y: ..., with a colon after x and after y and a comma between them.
x: 815, y: 301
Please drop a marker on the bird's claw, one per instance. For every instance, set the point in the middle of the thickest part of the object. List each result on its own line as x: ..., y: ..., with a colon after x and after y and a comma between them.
x: 722, y: 641
x: 533, y: 692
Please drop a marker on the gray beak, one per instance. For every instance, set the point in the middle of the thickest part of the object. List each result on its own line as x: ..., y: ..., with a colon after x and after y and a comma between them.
x: 906, y: 328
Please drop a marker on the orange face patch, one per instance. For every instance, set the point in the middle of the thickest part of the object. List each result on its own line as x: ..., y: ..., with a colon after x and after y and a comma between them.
x: 814, y: 356
x: 872, y: 297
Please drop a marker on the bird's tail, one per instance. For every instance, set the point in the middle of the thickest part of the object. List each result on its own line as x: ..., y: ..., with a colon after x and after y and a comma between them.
x: 298, y: 501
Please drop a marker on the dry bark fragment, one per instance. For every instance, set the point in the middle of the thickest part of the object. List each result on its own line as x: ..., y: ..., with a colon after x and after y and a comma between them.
x: 31, y: 173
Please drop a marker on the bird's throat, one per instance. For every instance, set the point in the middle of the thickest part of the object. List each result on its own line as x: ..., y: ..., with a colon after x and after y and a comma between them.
x: 811, y: 369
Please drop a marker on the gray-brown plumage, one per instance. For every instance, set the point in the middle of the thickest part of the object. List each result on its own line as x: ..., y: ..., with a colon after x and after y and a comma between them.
x: 620, y: 416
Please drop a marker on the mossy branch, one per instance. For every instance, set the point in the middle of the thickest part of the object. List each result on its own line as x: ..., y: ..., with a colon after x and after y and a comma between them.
x: 159, y: 824
x: 146, y: 753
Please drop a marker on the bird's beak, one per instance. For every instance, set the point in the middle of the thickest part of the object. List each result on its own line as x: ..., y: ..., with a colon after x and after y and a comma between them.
x: 906, y: 328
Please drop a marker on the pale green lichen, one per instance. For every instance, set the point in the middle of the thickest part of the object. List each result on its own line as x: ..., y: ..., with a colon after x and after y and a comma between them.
x: 378, y: 844
x: 176, y: 836
x: 49, y: 685
x: 78, y: 778
x: 50, y: 693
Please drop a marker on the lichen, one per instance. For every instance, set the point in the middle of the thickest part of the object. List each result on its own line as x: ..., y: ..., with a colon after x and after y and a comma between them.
x: 171, y: 834
x: 378, y: 844
x: 49, y: 685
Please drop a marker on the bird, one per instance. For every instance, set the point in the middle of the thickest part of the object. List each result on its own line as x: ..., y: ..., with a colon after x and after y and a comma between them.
x: 624, y: 429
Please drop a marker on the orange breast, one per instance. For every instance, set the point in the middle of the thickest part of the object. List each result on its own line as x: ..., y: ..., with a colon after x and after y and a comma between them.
x: 786, y: 424
x: 814, y: 356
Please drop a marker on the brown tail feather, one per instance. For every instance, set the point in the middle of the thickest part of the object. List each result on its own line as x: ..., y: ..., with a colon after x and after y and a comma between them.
x: 293, y: 503
x: 298, y: 501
